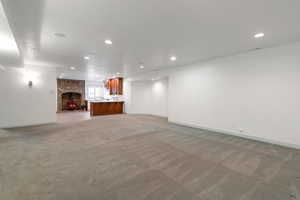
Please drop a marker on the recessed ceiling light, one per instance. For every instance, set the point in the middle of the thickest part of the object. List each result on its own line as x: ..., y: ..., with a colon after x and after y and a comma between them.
x: 61, y: 76
x: 259, y: 35
x: 72, y: 68
x: 86, y: 57
x: 108, y: 42
x: 60, y: 35
x: 173, y: 58
x: 118, y: 73
x: 142, y: 66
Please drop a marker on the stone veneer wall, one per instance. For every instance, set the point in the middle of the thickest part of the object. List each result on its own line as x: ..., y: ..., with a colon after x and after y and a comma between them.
x: 67, y: 85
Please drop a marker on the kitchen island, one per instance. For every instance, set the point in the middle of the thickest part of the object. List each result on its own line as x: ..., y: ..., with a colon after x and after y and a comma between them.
x: 106, y: 107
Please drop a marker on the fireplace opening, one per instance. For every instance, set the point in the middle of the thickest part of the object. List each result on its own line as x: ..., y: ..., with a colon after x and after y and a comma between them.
x: 71, y: 101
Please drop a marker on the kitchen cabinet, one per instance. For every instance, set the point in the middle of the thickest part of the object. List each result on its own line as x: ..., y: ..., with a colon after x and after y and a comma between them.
x: 115, y: 86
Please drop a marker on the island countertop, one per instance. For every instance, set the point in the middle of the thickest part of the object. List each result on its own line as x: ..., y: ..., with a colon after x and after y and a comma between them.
x: 106, y: 107
x: 103, y: 101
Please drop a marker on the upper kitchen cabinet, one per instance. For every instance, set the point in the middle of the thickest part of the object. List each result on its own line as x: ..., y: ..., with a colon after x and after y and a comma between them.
x: 115, y: 86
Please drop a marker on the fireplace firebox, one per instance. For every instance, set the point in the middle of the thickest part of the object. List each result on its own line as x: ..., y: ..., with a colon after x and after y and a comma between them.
x: 71, y: 101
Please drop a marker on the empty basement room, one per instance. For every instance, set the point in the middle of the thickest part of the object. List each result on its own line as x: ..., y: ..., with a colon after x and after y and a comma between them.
x: 149, y: 100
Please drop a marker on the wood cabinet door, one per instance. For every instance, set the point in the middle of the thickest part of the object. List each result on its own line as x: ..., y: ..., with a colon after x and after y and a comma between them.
x: 115, y: 86
x: 120, y: 86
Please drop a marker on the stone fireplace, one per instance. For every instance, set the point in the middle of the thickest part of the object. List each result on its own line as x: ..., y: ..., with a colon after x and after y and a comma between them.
x: 70, y: 94
x: 71, y: 101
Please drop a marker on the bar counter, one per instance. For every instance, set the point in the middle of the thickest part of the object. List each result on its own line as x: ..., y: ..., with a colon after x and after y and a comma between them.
x: 106, y: 107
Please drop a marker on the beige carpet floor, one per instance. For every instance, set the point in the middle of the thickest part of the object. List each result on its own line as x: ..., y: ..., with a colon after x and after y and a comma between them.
x: 138, y: 157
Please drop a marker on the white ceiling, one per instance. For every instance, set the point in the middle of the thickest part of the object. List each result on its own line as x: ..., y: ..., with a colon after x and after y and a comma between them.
x: 147, y: 32
x: 9, y: 52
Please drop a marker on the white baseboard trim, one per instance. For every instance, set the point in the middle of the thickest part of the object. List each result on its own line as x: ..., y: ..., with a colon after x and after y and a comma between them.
x: 28, y: 125
x: 162, y: 116
x: 233, y: 133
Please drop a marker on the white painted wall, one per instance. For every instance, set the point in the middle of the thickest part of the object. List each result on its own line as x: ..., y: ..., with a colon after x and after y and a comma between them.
x: 256, y: 95
x: 23, y: 106
x: 127, y: 95
x: 149, y: 97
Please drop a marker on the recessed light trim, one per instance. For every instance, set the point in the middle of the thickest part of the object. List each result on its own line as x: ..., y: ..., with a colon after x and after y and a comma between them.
x: 86, y: 57
x: 173, y: 58
x: 142, y: 66
x: 259, y: 35
x: 109, y: 42
x: 72, y: 68
x: 62, y: 35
